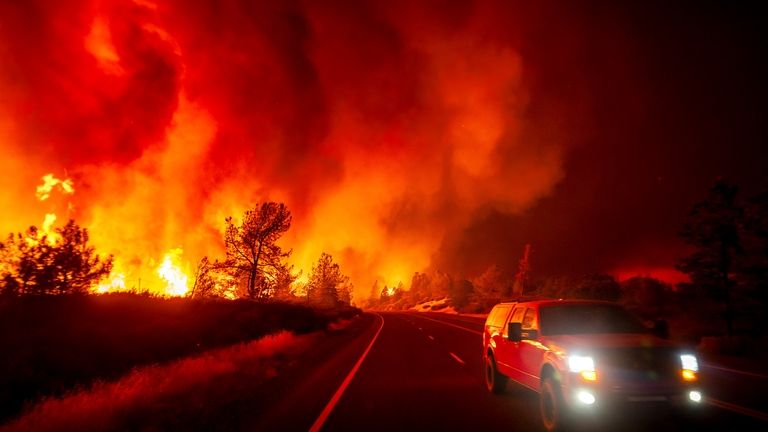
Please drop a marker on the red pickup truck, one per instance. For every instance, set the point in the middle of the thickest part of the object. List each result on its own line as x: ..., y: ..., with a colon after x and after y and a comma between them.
x: 584, y: 356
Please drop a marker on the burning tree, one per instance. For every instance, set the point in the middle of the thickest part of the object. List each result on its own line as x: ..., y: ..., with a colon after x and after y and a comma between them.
x: 56, y: 263
x: 490, y: 287
x: 252, y: 252
x: 204, y: 284
x: 327, y: 286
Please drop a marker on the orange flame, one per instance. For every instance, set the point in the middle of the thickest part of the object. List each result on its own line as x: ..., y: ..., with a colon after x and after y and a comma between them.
x: 376, y: 168
x: 177, y: 281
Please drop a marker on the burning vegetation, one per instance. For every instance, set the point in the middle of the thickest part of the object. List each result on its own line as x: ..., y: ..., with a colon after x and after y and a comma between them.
x: 403, y: 137
x: 62, y: 262
x: 155, y: 131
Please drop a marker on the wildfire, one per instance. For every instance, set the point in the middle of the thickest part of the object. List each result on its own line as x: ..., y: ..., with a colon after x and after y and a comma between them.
x: 169, y: 277
x: 380, y: 144
x: 50, y: 182
x: 47, y: 229
x: 177, y: 282
x: 116, y: 283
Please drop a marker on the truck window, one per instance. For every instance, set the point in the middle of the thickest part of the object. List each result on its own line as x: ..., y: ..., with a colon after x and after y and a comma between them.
x: 492, y: 315
x: 588, y: 318
x: 517, y: 316
x: 500, y: 317
x: 529, y: 319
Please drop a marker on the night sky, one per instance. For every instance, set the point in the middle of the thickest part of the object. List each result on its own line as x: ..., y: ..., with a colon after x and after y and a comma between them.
x: 402, y: 135
x: 661, y: 99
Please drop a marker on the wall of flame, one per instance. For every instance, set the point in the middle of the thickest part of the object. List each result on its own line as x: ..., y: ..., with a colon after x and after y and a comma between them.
x: 383, y: 125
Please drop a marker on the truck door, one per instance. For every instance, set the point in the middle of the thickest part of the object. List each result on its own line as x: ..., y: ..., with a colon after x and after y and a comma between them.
x: 530, y: 350
x: 507, y: 357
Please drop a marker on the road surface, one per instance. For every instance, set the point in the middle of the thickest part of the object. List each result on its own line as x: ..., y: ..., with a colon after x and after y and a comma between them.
x: 381, y: 372
x: 417, y: 371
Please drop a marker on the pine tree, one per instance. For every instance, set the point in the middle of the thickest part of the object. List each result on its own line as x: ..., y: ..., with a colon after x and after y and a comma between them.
x: 63, y: 263
x: 325, y: 281
x: 712, y: 229
x: 252, y: 252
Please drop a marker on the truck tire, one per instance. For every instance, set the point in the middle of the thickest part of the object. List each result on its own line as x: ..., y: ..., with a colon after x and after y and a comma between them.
x: 495, y: 382
x: 554, y: 415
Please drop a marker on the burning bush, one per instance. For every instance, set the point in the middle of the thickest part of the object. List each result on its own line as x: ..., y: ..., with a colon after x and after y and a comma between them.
x: 53, y: 262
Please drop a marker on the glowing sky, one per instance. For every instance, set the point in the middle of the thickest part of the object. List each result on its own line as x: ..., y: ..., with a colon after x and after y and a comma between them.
x: 403, y: 135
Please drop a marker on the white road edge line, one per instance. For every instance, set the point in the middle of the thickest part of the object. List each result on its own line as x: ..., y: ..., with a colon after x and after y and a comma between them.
x: 318, y: 424
x: 457, y: 358
x: 757, y: 375
x: 738, y: 409
x: 453, y: 325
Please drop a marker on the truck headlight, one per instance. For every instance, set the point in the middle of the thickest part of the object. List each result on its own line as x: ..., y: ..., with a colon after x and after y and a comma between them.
x: 584, y: 366
x: 694, y: 396
x: 690, y: 367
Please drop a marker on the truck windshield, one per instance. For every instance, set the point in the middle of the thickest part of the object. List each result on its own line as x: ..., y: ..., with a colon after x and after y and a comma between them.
x: 587, y: 318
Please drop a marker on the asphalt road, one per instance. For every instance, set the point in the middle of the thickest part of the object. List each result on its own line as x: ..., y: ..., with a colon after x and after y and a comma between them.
x: 416, y: 371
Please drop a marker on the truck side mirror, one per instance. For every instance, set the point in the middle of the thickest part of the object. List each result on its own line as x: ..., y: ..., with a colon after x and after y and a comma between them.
x: 515, y: 331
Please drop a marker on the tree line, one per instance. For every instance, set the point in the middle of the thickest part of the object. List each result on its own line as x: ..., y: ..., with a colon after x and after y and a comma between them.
x: 727, y: 267
x: 254, y: 265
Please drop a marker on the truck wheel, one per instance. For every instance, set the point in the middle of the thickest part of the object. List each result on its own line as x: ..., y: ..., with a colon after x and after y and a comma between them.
x: 495, y: 382
x: 552, y: 406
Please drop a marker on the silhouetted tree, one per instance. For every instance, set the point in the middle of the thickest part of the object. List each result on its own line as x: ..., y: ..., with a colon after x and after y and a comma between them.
x: 284, y: 282
x: 551, y: 286
x: 396, y: 295
x: 325, y: 281
x: 384, y: 295
x: 645, y: 295
x: 34, y: 263
x: 251, y: 247
x: 459, y: 291
x: 205, y: 284
x: 440, y: 284
x: 753, y: 267
x: 594, y: 287
x: 373, y: 297
x: 490, y: 286
x: 345, y: 292
x: 421, y: 287
x: 712, y: 229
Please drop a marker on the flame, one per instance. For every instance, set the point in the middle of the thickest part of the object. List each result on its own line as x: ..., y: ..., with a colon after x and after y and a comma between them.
x: 177, y: 281
x: 48, y: 229
x: 115, y: 283
x: 381, y: 150
x: 50, y: 182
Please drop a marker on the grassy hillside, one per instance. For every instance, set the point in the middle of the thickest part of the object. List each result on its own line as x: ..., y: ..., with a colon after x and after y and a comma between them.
x: 52, y: 344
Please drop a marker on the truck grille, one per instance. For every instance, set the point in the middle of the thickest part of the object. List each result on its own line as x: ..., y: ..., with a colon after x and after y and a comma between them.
x: 640, y: 365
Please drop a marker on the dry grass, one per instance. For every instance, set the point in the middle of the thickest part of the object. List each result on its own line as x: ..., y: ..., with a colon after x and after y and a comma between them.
x: 52, y: 345
x: 143, y: 397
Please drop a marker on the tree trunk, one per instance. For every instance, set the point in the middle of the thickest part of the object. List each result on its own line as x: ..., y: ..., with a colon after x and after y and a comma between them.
x: 725, y: 286
x: 254, y: 272
x: 252, y: 282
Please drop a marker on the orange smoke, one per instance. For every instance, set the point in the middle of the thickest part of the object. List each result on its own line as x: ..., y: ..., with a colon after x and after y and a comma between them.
x: 166, y: 118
